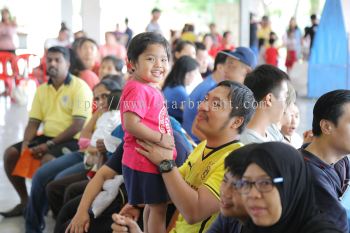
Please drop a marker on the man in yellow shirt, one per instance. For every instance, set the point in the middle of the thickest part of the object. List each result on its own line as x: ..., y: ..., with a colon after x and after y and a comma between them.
x: 62, y: 105
x: 194, y: 187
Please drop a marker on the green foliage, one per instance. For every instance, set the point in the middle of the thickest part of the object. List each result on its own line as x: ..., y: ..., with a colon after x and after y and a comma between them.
x: 203, y: 5
x: 315, y: 6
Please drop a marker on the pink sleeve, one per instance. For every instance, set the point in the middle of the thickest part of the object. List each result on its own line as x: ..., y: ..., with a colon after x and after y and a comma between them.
x: 136, y: 99
x: 83, y: 143
x: 89, y: 77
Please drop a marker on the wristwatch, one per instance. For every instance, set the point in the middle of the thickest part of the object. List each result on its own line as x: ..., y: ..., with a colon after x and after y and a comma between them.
x: 166, y: 165
x: 50, y: 144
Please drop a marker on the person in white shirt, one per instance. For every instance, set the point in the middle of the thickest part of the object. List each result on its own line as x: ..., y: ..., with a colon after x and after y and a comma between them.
x: 154, y: 26
x: 270, y: 88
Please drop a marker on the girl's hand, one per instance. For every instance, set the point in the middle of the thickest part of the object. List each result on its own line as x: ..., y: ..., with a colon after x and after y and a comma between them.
x: 167, y: 141
x: 92, y: 150
x: 130, y: 212
x: 79, y: 224
x: 124, y: 224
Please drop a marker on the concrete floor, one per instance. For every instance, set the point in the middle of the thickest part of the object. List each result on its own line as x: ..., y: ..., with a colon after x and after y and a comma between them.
x: 13, y: 119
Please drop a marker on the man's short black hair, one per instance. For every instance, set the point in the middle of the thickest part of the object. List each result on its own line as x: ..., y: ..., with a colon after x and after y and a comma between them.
x: 265, y: 18
x: 265, y: 79
x: 241, y: 101
x: 155, y: 10
x: 220, y: 58
x: 199, y: 46
x: 59, y: 49
x: 329, y: 107
x: 313, y: 17
x: 139, y: 44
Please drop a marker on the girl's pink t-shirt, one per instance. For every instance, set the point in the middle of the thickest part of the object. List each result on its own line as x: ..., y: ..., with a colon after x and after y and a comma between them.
x: 89, y: 77
x: 148, y: 103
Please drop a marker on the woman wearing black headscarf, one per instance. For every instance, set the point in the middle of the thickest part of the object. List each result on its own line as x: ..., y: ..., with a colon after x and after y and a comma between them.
x: 277, y: 191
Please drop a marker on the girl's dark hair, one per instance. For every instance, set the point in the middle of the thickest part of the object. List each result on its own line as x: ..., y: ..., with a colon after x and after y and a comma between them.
x: 180, y: 45
x: 139, y: 44
x: 117, y: 78
x: 76, y: 65
x: 113, y: 100
x: 116, y: 91
x: 177, y: 75
x: 117, y: 62
x: 86, y: 39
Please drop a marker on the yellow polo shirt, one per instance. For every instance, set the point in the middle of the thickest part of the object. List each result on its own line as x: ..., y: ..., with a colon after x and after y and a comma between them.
x: 57, y: 108
x: 204, y: 167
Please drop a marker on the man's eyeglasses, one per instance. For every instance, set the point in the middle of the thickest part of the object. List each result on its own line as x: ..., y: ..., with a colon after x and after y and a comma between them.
x: 262, y: 185
x: 101, y: 97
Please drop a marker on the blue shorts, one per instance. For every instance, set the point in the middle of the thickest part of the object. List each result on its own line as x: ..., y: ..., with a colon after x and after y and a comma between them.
x: 144, y: 188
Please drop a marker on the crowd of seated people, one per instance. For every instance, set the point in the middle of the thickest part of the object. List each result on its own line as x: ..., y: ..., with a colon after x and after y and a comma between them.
x: 173, y: 146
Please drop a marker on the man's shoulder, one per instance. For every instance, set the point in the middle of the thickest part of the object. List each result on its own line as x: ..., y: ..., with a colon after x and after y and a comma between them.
x: 42, y: 87
x: 312, y: 160
x: 250, y: 136
x: 323, y: 175
x: 77, y: 82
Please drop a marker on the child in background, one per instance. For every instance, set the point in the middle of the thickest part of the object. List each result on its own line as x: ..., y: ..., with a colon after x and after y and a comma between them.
x: 271, y: 53
x: 144, y: 116
x: 111, y: 65
x: 290, y: 125
x: 291, y: 45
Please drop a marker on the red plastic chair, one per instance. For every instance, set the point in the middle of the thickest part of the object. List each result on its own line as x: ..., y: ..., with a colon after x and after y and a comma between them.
x: 29, y: 68
x: 6, y: 76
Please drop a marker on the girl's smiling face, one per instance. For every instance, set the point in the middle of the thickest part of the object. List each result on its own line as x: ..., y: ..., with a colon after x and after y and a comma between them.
x: 152, y: 65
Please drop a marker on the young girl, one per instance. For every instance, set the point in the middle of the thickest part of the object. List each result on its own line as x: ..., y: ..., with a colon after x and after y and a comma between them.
x: 144, y: 116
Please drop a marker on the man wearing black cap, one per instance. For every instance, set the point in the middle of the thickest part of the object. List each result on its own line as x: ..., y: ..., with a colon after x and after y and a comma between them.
x: 229, y: 65
x: 62, y: 105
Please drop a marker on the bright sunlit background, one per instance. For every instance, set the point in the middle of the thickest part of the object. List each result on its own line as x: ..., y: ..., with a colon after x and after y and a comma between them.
x: 40, y: 19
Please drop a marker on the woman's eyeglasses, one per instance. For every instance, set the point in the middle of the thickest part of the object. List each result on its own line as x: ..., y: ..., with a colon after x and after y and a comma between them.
x: 262, y: 185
